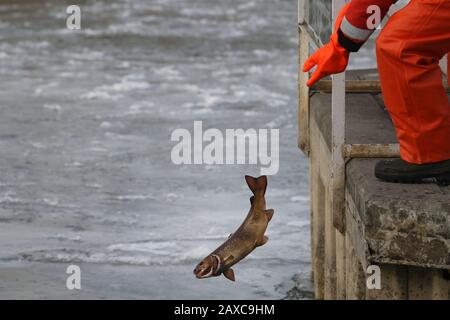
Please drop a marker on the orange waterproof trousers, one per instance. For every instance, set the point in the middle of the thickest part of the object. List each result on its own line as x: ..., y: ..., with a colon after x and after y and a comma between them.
x: 408, y: 52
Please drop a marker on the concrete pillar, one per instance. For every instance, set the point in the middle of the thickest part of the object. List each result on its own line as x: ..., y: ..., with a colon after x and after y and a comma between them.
x: 340, y: 266
x: 355, y: 276
x: 426, y: 284
x: 394, y: 284
x: 317, y: 228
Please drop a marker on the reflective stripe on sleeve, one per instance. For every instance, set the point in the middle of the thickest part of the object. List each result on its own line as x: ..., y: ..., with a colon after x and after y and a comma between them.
x: 354, y: 32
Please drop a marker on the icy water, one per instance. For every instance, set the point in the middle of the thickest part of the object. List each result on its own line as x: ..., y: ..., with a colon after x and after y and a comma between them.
x: 85, y: 124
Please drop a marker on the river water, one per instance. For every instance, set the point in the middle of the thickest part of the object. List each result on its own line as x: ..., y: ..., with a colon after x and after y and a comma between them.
x: 85, y: 124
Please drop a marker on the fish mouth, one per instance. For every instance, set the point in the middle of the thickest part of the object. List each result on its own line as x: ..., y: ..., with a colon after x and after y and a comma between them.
x: 207, y: 268
x: 202, y: 273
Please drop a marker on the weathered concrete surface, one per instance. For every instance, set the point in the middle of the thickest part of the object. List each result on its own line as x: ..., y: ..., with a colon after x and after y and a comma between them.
x: 403, y: 224
x: 366, y: 121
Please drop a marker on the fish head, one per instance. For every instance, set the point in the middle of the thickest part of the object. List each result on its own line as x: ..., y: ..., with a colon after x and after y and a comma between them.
x: 208, y: 267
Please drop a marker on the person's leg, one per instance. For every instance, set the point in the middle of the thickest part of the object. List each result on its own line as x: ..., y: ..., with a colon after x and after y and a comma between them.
x: 408, y: 52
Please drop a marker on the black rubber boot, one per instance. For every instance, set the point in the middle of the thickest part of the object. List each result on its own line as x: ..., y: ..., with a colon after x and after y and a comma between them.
x: 397, y: 170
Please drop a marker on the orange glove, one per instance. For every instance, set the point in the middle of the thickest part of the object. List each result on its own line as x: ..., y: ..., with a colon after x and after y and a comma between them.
x: 332, y: 58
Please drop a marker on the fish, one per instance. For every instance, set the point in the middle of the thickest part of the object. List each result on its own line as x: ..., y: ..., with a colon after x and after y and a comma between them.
x: 244, y: 240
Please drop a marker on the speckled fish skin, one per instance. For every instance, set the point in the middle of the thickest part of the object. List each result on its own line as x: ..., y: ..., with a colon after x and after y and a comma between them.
x: 244, y: 240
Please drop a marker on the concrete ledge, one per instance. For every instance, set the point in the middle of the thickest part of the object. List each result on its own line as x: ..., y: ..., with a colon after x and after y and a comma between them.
x: 366, y: 120
x: 402, y: 224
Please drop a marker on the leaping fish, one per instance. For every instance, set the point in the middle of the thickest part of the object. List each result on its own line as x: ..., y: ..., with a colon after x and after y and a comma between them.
x: 247, y: 237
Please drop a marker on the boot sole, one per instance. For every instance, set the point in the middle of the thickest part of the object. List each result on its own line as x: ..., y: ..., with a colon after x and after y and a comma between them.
x: 440, y: 179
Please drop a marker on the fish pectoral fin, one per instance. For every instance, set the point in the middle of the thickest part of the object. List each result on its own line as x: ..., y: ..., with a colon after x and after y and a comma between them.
x: 269, y: 213
x: 230, y: 235
x: 263, y: 241
x: 229, y: 274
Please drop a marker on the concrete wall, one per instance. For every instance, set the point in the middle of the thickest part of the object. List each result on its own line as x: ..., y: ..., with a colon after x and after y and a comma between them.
x: 403, y: 229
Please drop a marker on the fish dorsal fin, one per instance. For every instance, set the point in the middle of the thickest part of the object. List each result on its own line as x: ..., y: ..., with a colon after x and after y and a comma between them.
x: 269, y: 213
x: 229, y: 274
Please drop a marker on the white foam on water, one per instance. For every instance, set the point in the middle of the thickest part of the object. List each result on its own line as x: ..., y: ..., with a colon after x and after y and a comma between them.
x: 202, y: 111
x: 146, y: 107
x: 304, y: 198
x: 52, y: 106
x: 9, y: 197
x: 164, y: 248
x: 212, y: 237
x: 250, y: 113
x: 170, y: 197
x: 101, y: 95
x: 29, y: 44
x: 278, y: 122
x: 64, y: 237
x: 135, y: 197
x: 105, y: 124
x: 145, y: 254
x: 98, y: 149
x: 54, y: 201
x: 118, y: 221
x: 116, y: 90
x: 214, y: 12
x: 168, y: 73
x: 298, y: 223
x: 37, y: 145
x: 43, y: 89
x: 94, y: 185
x: 246, y: 5
x: 78, y: 256
x: 193, y: 254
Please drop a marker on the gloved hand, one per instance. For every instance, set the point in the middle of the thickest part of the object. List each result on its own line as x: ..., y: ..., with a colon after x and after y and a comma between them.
x: 332, y: 58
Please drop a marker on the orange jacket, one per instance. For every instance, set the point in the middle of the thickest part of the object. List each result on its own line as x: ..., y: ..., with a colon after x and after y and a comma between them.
x: 358, y: 23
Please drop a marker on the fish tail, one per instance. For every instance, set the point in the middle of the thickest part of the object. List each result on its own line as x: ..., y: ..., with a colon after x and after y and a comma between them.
x: 257, y: 185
